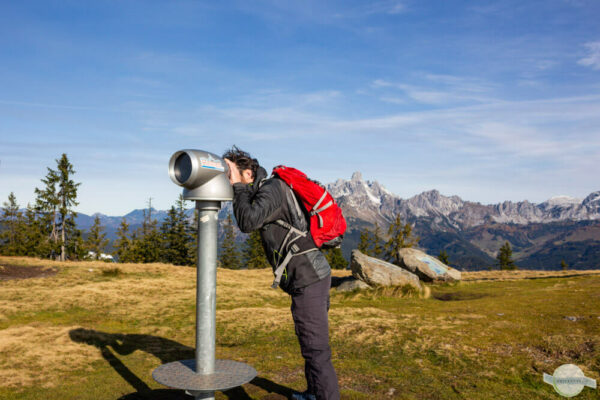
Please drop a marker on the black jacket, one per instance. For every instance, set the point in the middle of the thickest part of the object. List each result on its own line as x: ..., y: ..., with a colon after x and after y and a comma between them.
x: 258, y: 206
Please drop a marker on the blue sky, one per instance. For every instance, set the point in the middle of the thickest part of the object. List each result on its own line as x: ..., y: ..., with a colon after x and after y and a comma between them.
x: 487, y: 100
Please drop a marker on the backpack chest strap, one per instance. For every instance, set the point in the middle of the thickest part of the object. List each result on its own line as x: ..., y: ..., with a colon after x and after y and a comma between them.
x: 294, y: 251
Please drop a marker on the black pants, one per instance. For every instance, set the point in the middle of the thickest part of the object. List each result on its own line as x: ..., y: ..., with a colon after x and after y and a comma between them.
x: 309, y: 310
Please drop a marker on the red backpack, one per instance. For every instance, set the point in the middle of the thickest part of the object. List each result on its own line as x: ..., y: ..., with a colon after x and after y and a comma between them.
x: 327, y: 224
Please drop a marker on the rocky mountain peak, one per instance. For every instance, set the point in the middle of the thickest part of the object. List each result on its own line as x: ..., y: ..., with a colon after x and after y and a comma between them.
x: 429, y: 195
x: 593, y: 200
x: 356, y: 177
x: 372, y: 202
x: 432, y: 202
x: 560, y: 202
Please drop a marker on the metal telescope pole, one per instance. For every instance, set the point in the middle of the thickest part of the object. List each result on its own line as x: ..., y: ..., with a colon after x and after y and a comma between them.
x: 206, y: 290
x: 203, y: 176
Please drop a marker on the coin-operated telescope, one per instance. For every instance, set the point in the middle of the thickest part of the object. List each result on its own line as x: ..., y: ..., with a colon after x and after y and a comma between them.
x: 203, y: 176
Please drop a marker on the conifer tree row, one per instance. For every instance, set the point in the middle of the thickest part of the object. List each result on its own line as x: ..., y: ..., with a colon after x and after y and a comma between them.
x: 254, y: 254
x: 12, y: 223
x: 335, y: 258
x: 371, y: 242
x: 38, y: 232
x: 230, y: 257
x: 400, y: 236
x: 123, y: 244
x: 176, y: 236
x: 172, y: 243
x: 96, y: 241
x: 47, y: 229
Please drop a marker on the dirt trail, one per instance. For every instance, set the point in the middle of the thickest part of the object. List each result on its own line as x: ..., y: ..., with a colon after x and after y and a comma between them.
x: 9, y: 272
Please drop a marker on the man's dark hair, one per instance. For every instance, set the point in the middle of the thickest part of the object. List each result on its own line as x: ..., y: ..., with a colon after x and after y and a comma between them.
x: 242, y: 159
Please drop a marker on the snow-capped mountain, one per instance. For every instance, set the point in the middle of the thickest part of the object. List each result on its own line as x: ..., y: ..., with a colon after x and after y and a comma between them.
x: 371, y: 202
x: 542, y: 235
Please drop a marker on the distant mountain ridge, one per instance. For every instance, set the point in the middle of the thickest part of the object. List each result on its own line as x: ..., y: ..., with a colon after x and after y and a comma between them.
x: 471, y: 233
x: 542, y: 235
x: 374, y: 203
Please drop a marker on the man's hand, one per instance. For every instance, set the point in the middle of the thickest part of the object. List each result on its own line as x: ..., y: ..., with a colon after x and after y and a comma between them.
x: 234, y: 173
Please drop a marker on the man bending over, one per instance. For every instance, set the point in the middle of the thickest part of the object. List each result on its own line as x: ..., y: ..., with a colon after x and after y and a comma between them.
x: 261, y: 203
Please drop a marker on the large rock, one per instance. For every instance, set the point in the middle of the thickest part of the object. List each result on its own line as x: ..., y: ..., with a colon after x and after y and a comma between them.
x: 350, y: 283
x: 426, y: 267
x: 375, y: 272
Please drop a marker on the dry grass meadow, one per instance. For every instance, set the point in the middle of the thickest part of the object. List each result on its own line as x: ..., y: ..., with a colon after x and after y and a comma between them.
x: 93, y: 330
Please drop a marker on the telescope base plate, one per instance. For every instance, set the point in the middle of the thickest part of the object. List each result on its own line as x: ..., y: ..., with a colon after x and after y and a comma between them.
x: 182, y: 375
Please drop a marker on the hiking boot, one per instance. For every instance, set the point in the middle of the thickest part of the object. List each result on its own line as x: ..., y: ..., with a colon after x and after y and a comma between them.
x: 303, y: 396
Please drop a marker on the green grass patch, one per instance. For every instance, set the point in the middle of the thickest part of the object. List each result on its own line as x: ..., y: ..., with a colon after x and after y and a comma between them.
x: 112, y: 272
x: 82, y: 334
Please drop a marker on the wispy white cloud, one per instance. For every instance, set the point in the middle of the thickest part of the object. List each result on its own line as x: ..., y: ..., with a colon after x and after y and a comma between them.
x: 521, y: 145
x: 386, y: 7
x: 438, y: 89
x: 550, y: 139
x: 393, y: 100
x: 548, y: 130
x: 416, y: 93
x: 544, y: 65
x: 268, y: 97
x: 592, y: 59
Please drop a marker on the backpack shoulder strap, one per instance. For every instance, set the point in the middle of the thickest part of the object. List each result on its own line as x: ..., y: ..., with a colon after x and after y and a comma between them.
x: 297, y: 215
x: 294, y: 251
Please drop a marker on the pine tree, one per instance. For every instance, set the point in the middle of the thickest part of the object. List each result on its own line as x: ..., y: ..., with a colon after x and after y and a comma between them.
x: 67, y: 195
x: 563, y: 265
x: 122, y: 244
x: 364, y: 245
x: 443, y: 257
x: 32, y: 234
x: 96, y: 241
x: 135, y: 254
x: 370, y: 242
x: 46, y: 209
x: 254, y: 254
x: 11, y: 221
x: 400, y: 237
x: 504, y: 257
x: 75, y: 246
x: 148, y: 244
x: 377, y: 248
x: 176, y: 236
x: 190, y: 229
x: 335, y: 258
x: 229, y: 257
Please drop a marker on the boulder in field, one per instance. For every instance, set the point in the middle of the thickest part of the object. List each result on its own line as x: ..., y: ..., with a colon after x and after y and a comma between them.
x: 426, y: 267
x: 376, y: 272
x: 350, y: 283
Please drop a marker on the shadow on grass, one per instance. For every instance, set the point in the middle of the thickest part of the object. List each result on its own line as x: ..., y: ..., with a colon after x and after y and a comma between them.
x: 458, y: 296
x: 164, y: 349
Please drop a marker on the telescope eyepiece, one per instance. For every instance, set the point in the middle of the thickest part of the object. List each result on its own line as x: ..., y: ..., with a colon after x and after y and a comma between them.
x: 183, y: 168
